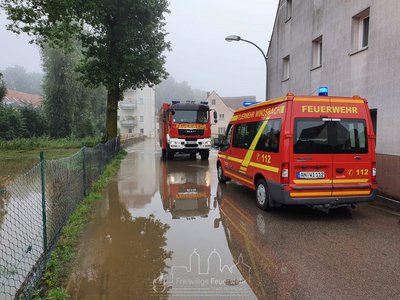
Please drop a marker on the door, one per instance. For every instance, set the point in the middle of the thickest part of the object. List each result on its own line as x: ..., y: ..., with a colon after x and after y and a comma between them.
x: 311, y: 165
x: 225, y: 149
x: 351, y: 160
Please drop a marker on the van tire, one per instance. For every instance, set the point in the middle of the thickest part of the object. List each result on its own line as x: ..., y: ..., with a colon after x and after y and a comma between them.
x: 262, y: 195
x: 220, y: 174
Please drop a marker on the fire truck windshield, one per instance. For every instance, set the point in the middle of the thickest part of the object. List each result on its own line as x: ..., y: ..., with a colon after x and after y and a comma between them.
x: 190, y: 116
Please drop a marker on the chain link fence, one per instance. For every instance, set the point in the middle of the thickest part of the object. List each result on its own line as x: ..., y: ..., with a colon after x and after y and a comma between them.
x: 34, y: 209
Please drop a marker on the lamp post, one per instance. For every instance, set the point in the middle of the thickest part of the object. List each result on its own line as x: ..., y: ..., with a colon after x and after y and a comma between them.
x: 236, y: 38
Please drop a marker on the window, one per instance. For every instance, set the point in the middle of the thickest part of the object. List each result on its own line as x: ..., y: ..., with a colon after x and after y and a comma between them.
x: 221, y: 116
x: 269, y: 139
x: 221, y: 130
x: 141, y: 130
x: 286, y: 68
x: 141, y: 118
x: 244, y: 134
x: 315, y: 136
x: 213, y: 101
x: 191, y: 116
x: 227, y: 140
x: 288, y: 10
x: 360, y: 30
x: 130, y: 130
x: 141, y: 101
x: 316, y: 53
x: 118, y: 118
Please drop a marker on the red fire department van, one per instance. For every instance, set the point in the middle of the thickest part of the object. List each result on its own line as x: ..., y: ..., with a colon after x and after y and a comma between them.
x: 302, y: 150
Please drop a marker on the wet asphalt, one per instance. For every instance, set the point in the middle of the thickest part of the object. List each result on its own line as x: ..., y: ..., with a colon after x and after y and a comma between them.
x: 168, y: 230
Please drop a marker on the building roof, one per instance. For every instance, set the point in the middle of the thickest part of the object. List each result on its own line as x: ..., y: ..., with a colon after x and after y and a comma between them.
x: 237, y: 102
x: 13, y: 97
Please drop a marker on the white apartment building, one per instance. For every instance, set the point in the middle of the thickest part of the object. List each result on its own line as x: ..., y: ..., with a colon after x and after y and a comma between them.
x: 136, y: 113
x: 353, y: 48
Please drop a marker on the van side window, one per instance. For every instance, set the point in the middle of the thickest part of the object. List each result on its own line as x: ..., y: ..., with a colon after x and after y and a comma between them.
x: 227, y: 140
x: 244, y: 134
x: 269, y: 139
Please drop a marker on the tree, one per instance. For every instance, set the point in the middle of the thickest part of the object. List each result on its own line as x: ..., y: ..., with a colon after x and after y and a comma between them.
x: 3, y: 89
x: 123, y: 40
x: 17, y: 78
x: 71, y: 108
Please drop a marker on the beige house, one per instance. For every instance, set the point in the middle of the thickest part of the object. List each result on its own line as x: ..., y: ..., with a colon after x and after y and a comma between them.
x: 225, y: 107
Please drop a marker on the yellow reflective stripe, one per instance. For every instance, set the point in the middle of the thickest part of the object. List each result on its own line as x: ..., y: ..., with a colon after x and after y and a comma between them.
x: 238, y: 177
x: 351, y: 193
x: 221, y: 156
x: 328, y: 181
x: 315, y: 181
x: 298, y: 99
x: 347, y: 101
x: 350, y: 180
x: 234, y: 118
x: 238, y: 160
x: 310, y: 194
x: 264, y: 167
x: 243, y: 168
x: 253, y: 145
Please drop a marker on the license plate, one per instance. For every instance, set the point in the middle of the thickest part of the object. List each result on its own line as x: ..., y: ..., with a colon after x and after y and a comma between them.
x: 310, y: 175
x: 191, y: 142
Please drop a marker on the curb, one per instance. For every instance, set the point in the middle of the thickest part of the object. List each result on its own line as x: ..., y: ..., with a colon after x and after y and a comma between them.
x: 388, y: 203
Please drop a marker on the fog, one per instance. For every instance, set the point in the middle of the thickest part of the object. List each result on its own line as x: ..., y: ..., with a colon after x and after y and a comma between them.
x: 200, y: 55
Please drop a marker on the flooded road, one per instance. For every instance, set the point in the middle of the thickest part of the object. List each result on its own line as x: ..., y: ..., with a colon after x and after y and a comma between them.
x: 167, y: 229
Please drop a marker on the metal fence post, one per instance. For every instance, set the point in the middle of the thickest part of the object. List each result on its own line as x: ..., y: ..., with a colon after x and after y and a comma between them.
x: 84, y: 171
x: 44, y: 219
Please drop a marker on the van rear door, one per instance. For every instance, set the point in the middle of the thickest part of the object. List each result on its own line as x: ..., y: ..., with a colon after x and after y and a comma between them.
x: 352, y: 159
x: 311, y: 168
x: 311, y: 164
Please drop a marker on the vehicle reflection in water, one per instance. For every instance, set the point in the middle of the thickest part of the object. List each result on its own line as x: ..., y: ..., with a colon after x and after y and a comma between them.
x: 122, y: 255
x: 185, y: 192
x: 269, y: 277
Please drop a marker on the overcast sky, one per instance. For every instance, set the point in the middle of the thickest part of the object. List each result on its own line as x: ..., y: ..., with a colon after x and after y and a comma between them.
x: 200, y: 55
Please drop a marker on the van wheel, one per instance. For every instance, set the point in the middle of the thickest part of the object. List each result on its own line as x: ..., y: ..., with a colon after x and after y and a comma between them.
x: 262, y: 195
x: 220, y: 174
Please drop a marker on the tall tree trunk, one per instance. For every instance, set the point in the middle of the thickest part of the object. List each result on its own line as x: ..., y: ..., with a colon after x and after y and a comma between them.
x: 112, y: 109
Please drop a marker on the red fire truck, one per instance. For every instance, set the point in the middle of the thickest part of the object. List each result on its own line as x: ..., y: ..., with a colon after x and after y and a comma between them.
x: 185, y: 128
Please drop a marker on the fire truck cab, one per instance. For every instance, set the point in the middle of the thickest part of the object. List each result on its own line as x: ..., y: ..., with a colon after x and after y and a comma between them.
x: 302, y: 150
x: 185, y: 128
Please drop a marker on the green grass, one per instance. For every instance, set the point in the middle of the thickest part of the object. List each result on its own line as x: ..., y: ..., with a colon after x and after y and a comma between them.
x: 46, y: 143
x: 17, y: 162
x: 61, y: 259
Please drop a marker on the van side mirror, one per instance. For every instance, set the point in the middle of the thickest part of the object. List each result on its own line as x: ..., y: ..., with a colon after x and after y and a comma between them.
x: 217, y: 142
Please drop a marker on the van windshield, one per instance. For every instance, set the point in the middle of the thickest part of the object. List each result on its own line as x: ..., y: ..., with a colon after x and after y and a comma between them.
x: 317, y: 136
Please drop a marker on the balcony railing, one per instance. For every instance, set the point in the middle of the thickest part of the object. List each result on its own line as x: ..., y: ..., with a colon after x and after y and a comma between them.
x: 127, y: 105
x: 128, y: 123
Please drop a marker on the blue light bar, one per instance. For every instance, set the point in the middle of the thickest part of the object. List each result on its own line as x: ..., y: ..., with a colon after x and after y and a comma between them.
x: 248, y: 103
x: 175, y: 102
x: 323, y: 91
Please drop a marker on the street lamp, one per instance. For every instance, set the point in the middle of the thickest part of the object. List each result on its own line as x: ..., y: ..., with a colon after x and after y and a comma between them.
x: 236, y: 38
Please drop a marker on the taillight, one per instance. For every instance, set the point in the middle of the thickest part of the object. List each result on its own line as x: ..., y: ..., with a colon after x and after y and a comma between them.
x: 285, y: 173
x: 373, y: 172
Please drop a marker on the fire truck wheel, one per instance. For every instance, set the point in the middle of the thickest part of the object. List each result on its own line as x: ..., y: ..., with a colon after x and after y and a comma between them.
x: 220, y: 173
x: 170, y: 155
x: 164, y: 153
x: 204, y: 155
x: 262, y: 195
x: 192, y: 155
